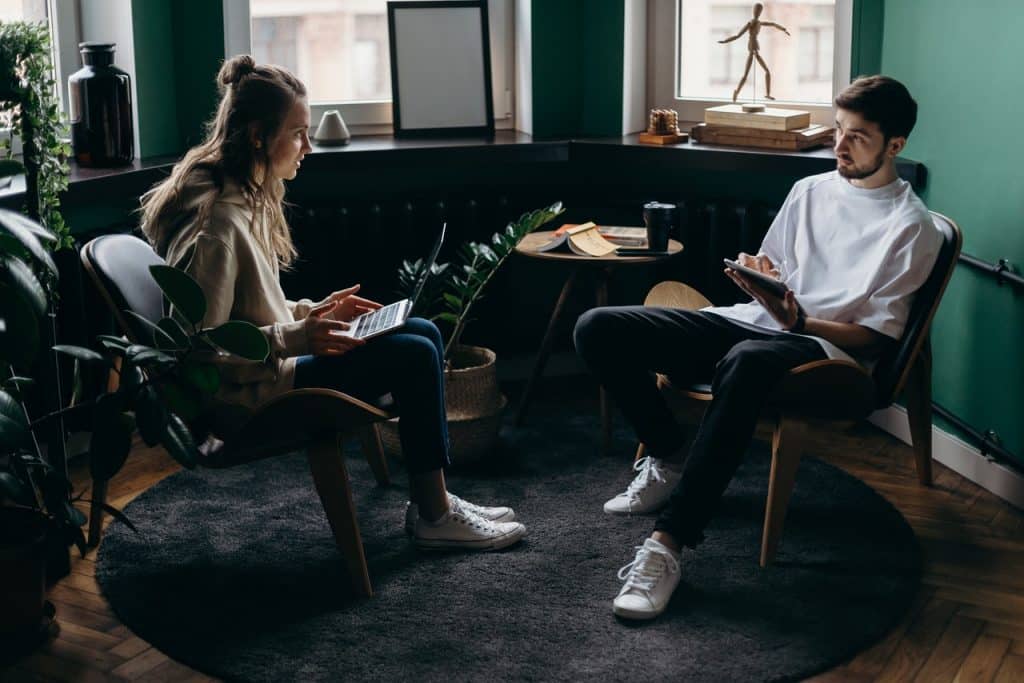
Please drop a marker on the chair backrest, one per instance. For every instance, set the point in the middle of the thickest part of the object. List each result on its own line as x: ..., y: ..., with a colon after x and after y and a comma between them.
x: 119, y: 266
x: 892, y: 369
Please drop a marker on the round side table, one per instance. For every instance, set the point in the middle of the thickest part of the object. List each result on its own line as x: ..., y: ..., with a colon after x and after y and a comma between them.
x: 603, y: 267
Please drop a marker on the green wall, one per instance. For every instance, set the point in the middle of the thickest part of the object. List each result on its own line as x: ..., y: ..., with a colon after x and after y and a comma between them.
x: 179, y: 45
x: 577, y: 67
x: 962, y: 64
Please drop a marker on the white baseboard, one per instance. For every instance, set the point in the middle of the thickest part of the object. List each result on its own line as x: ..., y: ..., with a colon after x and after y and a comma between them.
x: 959, y: 456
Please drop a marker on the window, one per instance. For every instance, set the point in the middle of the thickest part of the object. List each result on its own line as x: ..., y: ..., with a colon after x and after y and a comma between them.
x: 61, y: 15
x: 339, y: 48
x: 690, y: 70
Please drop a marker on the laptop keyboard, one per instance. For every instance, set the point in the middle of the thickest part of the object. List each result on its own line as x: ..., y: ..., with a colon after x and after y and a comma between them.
x: 381, y: 319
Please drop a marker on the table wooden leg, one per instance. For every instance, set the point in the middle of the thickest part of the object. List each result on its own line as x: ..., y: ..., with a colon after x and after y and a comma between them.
x: 601, y: 295
x: 545, y: 346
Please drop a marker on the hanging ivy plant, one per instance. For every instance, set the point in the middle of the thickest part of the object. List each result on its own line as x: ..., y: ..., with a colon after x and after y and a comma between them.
x: 29, y: 106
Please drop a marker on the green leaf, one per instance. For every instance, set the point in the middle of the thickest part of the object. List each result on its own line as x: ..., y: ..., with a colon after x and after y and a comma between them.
x: 11, y: 409
x: 184, y: 293
x: 171, y: 327
x: 454, y: 301
x: 150, y: 416
x: 447, y: 317
x: 159, y: 337
x: 15, y: 490
x: 40, y: 233
x: 111, y: 438
x: 15, y: 225
x: 21, y: 278
x: 179, y: 443
x: 18, y: 384
x: 240, y: 338
x: 81, y: 353
x: 203, y: 376
x: 139, y: 354
x: 117, y: 344
x: 19, y: 340
x: 13, y: 435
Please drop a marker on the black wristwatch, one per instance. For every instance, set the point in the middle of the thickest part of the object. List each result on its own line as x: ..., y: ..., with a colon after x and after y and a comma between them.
x: 801, y: 320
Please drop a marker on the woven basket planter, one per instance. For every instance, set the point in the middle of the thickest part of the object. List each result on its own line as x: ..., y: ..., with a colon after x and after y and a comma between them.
x: 474, y: 405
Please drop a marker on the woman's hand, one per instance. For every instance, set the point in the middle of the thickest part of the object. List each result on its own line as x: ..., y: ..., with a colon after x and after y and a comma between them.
x: 348, y: 304
x: 323, y: 333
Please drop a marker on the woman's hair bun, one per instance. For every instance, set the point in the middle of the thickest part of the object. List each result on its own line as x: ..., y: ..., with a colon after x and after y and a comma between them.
x: 234, y: 68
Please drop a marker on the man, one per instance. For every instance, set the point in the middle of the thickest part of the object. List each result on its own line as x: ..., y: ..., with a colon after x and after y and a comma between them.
x: 852, y: 246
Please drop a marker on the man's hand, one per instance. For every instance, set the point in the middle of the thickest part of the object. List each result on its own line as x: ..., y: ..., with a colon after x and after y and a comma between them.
x: 323, y: 332
x: 348, y: 304
x: 785, y: 310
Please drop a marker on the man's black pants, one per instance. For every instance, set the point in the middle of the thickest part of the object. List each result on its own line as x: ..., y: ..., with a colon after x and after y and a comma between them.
x: 625, y: 345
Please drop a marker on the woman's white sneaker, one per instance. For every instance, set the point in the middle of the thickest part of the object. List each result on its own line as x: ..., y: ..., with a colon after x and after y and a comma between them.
x: 498, y: 513
x: 650, y: 489
x: 461, y: 528
x: 650, y: 579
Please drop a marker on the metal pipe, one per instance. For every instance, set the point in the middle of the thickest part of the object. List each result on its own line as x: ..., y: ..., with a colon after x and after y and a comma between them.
x: 988, y: 442
x: 1000, y: 270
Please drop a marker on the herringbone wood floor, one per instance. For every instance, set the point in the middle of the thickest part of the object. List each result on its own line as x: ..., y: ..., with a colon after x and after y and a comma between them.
x: 966, y: 625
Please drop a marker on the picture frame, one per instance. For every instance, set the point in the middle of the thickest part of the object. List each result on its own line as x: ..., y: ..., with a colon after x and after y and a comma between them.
x: 440, y: 68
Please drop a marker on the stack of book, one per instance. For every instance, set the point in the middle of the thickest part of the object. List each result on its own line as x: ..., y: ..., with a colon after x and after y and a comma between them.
x: 783, y: 129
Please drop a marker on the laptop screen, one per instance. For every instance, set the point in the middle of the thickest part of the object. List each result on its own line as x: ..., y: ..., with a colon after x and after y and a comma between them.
x: 429, y: 264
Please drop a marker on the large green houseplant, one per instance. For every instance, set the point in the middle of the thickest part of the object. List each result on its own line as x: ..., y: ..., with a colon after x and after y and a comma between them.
x: 474, y: 403
x: 163, y: 382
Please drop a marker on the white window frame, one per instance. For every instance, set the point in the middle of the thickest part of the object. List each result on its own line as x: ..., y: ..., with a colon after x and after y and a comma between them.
x: 663, y: 64
x: 374, y: 117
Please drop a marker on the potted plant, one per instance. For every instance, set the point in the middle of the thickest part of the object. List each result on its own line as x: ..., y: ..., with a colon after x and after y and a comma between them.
x: 473, y: 401
x: 35, y: 504
x: 161, y: 385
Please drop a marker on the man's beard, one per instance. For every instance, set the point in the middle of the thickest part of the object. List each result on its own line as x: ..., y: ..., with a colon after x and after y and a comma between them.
x: 858, y: 172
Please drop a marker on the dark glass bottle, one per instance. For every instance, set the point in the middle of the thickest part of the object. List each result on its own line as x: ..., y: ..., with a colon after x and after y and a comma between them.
x: 100, y: 104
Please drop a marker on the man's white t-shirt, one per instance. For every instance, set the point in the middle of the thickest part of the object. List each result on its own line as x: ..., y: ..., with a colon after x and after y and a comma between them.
x: 849, y: 254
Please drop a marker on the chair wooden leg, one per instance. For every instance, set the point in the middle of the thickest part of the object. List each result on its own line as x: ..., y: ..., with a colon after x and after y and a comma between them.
x: 787, y: 447
x: 918, y: 395
x: 640, y: 449
x: 331, y: 480
x: 373, y: 451
x: 99, y: 499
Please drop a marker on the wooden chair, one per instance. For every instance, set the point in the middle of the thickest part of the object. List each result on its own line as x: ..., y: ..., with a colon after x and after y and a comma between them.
x: 832, y: 394
x: 311, y: 419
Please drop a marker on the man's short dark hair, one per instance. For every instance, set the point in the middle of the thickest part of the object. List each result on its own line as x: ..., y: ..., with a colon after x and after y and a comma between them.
x: 883, y: 100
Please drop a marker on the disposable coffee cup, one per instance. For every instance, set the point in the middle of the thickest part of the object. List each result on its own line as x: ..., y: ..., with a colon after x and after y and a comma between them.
x: 659, y: 219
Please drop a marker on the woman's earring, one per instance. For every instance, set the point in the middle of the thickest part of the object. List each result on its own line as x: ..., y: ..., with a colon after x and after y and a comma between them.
x: 259, y: 144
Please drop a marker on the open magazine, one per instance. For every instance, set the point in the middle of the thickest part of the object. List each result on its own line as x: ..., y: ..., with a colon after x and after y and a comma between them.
x: 588, y: 239
x: 583, y: 239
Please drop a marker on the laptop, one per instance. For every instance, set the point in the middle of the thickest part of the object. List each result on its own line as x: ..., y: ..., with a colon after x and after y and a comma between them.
x: 394, y: 315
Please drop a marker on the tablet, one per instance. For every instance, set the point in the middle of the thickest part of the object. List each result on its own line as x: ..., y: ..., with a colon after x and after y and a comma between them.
x: 767, y: 282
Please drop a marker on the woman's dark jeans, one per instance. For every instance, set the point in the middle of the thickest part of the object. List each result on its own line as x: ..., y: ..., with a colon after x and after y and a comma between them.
x: 407, y: 363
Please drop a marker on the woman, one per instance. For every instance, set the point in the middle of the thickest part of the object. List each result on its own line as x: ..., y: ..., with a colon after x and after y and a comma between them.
x: 219, y: 216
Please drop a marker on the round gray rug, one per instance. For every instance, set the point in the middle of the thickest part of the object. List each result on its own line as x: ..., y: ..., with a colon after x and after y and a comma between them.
x: 235, y: 573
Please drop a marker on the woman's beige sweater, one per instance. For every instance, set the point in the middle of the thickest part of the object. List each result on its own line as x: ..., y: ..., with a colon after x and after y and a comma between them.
x: 240, y: 283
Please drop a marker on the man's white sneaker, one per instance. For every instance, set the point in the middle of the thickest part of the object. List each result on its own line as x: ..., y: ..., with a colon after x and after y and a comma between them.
x: 650, y: 579
x: 491, y: 514
x: 460, y: 528
x: 649, y: 490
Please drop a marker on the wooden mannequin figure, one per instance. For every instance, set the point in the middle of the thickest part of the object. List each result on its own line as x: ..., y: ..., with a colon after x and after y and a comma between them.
x: 754, y: 28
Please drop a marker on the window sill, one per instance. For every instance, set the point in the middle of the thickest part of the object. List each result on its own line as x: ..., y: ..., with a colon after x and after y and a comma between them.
x: 89, y: 185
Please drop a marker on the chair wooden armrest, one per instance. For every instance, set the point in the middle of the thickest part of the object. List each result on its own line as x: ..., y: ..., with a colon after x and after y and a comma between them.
x: 292, y: 420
